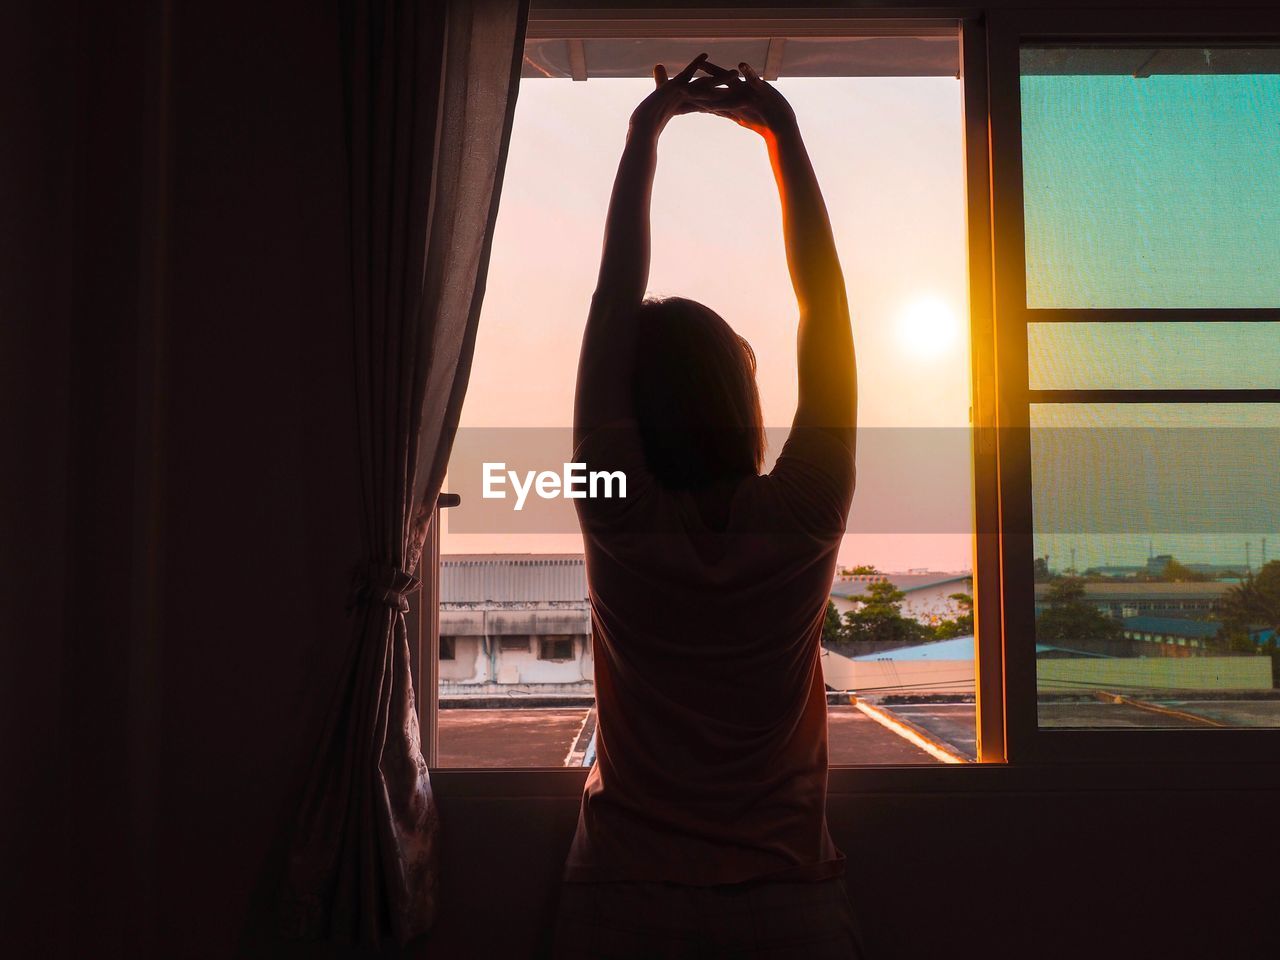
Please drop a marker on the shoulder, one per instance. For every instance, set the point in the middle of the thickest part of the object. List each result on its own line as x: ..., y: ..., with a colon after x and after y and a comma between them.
x: 813, y: 478
x: 811, y: 450
x: 610, y: 457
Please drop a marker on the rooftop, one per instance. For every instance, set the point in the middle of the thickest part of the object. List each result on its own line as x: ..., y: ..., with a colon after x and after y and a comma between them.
x: 1175, y: 626
x: 520, y: 578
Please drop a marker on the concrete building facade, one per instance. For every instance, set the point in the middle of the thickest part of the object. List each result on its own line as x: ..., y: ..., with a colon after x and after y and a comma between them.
x: 928, y: 593
x: 514, y: 625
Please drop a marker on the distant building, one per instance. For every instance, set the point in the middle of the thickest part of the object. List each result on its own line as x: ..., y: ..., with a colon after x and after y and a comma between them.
x: 1158, y: 565
x: 1172, y: 631
x: 1177, y: 631
x: 1188, y: 601
x: 514, y: 625
x: 928, y: 593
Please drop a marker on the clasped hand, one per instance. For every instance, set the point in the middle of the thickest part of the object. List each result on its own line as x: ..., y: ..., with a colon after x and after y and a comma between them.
x: 739, y: 95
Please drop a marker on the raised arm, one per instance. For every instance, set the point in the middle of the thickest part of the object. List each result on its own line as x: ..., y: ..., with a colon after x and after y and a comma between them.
x: 827, y: 373
x: 608, y: 345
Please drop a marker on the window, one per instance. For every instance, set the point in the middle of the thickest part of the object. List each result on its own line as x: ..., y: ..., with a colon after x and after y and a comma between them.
x: 1119, y: 474
x: 446, y: 648
x: 1109, y: 480
x: 555, y: 648
x: 881, y: 112
x: 1138, y: 211
x: 513, y: 644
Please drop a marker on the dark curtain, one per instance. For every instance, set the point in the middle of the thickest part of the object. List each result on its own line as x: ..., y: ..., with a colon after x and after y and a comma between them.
x: 430, y: 90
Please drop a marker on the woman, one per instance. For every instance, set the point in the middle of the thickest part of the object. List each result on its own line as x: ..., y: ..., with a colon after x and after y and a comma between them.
x: 702, y: 830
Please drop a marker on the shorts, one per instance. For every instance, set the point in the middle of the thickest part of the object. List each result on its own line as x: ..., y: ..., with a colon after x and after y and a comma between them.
x: 760, y: 920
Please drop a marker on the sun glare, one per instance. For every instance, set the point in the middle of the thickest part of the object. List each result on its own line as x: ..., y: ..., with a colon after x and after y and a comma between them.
x: 928, y: 327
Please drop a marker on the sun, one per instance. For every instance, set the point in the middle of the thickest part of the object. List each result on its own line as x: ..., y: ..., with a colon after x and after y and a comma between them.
x: 928, y: 327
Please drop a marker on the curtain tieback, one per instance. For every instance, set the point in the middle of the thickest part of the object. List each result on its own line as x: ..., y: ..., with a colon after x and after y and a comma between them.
x: 382, y: 583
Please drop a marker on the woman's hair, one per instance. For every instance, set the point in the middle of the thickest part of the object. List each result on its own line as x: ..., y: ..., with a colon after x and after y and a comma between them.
x: 695, y: 395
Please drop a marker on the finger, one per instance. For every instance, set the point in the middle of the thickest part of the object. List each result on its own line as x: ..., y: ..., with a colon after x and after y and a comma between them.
x: 719, y: 72
x: 703, y: 85
x: 692, y: 68
x: 659, y: 74
x: 751, y: 76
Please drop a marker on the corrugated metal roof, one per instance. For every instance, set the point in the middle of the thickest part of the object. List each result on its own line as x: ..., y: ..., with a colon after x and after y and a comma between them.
x: 525, y: 578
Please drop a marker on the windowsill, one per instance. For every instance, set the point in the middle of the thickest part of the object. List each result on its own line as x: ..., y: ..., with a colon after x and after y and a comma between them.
x: 975, y: 778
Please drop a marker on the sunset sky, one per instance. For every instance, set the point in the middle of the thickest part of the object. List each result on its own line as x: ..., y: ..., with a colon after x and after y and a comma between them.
x: 888, y: 154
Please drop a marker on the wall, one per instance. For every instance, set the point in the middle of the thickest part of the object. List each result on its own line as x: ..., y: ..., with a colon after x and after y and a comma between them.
x: 934, y: 603
x: 1054, y: 674
x: 468, y: 664
x: 1155, y: 673
x: 261, y: 495
x: 526, y: 621
x: 933, y: 873
x: 879, y: 677
x: 37, y: 114
x: 184, y: 502
x: 926, y: 604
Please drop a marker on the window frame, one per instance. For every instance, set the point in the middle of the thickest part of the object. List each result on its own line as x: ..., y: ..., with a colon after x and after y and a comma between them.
x: 507, y: 643
x: 1012, y: 758
x: 554, y: 642
x: 1007, y: 32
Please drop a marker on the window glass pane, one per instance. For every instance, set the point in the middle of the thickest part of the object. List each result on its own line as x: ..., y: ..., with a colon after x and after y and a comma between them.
x: 1157, y: 598
x: 1153, y: 356
x: 1151, y: 177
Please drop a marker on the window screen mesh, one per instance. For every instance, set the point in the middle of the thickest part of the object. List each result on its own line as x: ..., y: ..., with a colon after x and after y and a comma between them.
x: 1144, y: 355
x: 1151, y: 177
x: 1157, y: 595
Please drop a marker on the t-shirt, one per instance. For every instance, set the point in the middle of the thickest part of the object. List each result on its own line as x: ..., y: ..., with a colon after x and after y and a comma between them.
x: 711, y: 736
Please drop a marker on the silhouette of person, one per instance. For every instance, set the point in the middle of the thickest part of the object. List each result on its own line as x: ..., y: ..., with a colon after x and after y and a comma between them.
x: 702, y: 830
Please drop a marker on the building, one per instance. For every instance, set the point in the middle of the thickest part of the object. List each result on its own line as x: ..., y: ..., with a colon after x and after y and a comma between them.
x: 1188, y: 601
x: 1172, y: 631
x: 928, y: 593
x: 514, y: 624
x: 1158, y: 565
x: 942, y: 668
x: 1193, y: 634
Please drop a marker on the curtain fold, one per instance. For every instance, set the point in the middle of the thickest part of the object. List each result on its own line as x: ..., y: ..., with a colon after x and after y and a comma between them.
x: 429, y: 93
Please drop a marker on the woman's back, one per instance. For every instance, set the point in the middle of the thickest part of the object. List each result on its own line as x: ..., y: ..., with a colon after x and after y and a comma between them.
x: 711, y: 760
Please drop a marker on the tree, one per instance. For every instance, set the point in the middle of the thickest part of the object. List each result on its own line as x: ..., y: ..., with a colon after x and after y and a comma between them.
x: 1040, y: 570
x: 863, y: 570
x: 1252, y: 603
x: 1069, y: 617
x: 962, y: 625
x: 1175, y: 572
x: 832, y: 628
x: 880, y: 618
